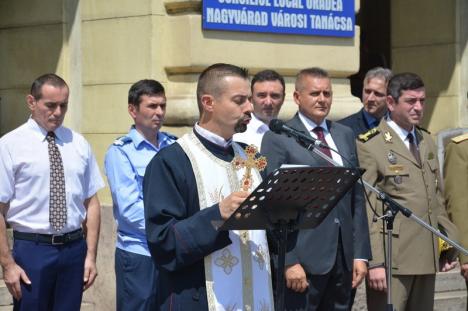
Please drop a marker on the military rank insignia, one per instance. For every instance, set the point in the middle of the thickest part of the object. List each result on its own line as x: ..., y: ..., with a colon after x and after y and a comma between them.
x: 460, y: 138
x: 388, y: 137
x: 368, y: 135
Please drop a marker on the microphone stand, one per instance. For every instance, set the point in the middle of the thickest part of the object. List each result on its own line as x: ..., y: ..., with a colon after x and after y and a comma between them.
x: 392, y: 210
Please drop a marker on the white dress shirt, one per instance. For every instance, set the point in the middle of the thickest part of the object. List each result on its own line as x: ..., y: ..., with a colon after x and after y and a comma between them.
x: 212, y: 137
x: 254, y: 133
x: 310, y: 125
x: 401, y: 132
x: 25, y: 177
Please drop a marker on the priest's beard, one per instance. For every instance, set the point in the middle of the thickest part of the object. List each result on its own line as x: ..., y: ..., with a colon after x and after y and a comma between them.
x: 241, y: 125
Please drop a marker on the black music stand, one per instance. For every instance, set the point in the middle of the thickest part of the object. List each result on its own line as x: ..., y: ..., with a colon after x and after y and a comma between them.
x: 289, y: 199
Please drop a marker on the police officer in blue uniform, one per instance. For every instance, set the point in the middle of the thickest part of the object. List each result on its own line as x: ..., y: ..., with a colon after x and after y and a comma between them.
x: 125, y: 165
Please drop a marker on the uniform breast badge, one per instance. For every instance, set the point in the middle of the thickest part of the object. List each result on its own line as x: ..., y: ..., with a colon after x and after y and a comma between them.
x: 395, y: 169
x: 259, y: 163
x: 391, y: 157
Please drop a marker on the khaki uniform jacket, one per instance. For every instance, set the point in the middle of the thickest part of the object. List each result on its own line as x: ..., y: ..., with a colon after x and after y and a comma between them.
x: 392, y: 168
x: 456, y: 186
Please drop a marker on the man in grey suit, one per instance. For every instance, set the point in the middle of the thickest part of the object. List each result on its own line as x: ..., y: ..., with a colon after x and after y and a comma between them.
x: 374, y: 100
x: 324, y: 262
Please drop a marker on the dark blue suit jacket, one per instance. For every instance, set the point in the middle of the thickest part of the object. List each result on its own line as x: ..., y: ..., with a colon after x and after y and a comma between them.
x: 315, y: 249
x: 357, y: 122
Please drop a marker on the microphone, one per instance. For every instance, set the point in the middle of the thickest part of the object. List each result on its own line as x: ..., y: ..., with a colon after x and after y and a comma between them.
x: 277, y: 126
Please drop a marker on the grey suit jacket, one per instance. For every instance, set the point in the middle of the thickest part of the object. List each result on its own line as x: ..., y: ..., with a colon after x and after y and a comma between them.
x: 315, y: 249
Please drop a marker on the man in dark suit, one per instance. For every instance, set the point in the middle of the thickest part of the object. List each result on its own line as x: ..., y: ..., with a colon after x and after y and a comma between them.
x: 374, y: 94
x: 325, y: 262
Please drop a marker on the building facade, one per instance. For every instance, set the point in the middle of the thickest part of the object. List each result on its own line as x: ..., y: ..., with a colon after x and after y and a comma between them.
x: 102, y: 47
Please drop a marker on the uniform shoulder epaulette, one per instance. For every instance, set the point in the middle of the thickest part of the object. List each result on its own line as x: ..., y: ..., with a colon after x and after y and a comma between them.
x: 460, y: 138
x: 368, y: 135
x: 423, y: 129
x: 170, y: 136
x: 122, y: 141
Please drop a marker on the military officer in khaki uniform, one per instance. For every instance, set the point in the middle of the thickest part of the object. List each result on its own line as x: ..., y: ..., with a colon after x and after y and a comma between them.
x: 456, y: 185
x: 401, y: 159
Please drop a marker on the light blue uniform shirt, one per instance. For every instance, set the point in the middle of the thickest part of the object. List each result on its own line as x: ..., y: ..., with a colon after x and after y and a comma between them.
x: 125, y: 165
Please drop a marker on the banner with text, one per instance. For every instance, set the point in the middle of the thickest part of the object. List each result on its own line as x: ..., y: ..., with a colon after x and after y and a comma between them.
x: 334, y: 18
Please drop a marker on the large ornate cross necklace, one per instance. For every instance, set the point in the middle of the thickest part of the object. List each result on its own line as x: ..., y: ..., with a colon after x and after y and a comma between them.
x: 259, y: 163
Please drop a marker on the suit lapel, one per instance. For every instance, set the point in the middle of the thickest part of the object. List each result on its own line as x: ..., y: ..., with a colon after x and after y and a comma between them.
x: 339, y: 139
x: 297, y: 124
x: 398, y: 146
x: 337, y: 136
x: 422, y: 146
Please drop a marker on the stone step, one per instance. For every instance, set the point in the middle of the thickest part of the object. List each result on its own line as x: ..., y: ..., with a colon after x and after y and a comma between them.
x: 449, y: 281
x: 450, y: 301
x: 5, y: 297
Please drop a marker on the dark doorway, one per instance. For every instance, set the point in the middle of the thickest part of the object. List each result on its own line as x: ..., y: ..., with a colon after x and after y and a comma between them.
x: 374, y: 21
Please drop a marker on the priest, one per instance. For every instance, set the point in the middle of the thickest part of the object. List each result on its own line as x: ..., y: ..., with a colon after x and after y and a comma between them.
x: 194, y: 182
